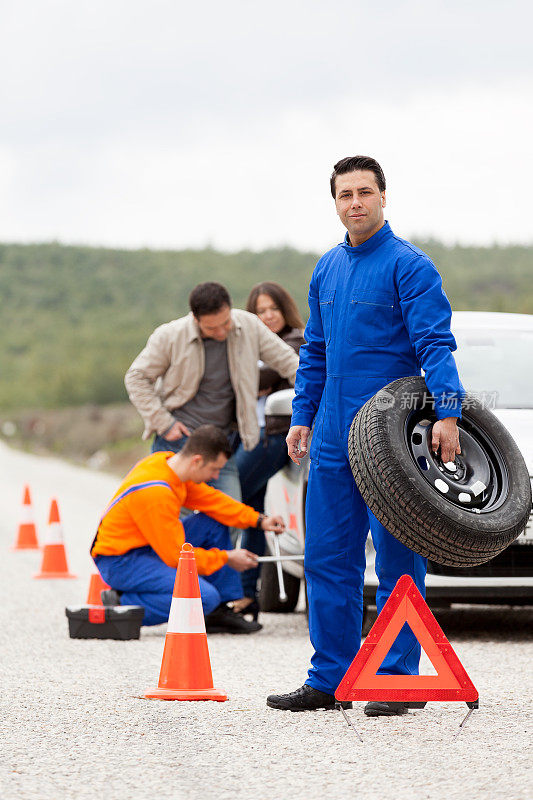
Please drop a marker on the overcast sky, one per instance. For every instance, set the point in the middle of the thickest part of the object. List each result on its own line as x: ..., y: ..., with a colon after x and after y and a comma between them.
x: 170, y: 124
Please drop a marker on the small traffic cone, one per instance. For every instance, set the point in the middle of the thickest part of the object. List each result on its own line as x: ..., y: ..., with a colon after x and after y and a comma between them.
x: 96, y: 585
x: 26, y: 535
x: 54, y: 564
x: 186, y: 668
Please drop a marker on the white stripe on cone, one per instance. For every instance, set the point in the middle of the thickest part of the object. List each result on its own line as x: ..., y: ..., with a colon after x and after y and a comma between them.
x: 186, y: 615
x: 27, y: 515
x: 54, y: 533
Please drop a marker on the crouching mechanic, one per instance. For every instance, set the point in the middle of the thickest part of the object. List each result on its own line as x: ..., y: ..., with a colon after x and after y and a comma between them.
x: 139, y: 538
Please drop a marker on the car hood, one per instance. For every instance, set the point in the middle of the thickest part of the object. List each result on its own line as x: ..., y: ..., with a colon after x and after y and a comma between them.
x: 519, y: 423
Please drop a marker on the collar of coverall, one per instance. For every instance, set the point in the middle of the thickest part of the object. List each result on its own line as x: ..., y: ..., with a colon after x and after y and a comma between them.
x: 370, y: 244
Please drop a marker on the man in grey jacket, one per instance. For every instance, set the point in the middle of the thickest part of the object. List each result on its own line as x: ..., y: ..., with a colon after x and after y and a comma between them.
x: 203, y: 369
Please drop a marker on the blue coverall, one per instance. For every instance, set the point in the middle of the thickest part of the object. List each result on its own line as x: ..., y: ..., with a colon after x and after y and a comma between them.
x: 378, y: 312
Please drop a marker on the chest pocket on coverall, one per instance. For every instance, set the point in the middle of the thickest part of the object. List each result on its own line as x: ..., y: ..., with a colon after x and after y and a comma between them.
x: 370, y: 317
x: 326, y: 312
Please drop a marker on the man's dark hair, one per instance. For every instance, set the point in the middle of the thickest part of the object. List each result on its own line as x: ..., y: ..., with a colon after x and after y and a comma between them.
x: 208, y: 298
x: 353, y: 163
x: 207, y: 441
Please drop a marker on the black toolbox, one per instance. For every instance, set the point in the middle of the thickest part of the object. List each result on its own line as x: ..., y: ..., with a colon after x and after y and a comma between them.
x: 104, y: 622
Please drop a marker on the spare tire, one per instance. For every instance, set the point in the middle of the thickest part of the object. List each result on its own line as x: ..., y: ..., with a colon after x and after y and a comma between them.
x: 458, y: 515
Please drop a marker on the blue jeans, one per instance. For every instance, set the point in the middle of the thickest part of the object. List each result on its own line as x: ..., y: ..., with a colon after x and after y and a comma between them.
x: 228, y: 479
x: 256, y: 467
x: 145, y: 580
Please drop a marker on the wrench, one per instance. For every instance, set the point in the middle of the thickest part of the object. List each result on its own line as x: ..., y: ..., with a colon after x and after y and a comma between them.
x: 282, y: 593
x: 260, y: 559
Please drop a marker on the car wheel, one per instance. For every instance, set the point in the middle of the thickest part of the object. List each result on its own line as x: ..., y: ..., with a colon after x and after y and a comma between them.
x: 458, y: 515
x: 269, y: 590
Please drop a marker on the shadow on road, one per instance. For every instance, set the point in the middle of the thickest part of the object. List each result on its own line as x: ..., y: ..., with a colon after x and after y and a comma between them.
x: 500, y: 623
x: 482, y: 623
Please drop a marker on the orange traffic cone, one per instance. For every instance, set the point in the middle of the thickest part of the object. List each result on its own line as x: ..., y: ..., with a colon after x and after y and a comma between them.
x: 186, y: 668
x: 96, y: 585
x: 54, y: 563
x: 26, y: 535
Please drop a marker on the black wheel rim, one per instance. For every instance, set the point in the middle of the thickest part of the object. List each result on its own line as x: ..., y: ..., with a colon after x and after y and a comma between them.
x: 477, y: 480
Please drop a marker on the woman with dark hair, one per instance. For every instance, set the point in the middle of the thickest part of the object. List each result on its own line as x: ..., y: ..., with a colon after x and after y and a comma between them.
x: 277, y: 310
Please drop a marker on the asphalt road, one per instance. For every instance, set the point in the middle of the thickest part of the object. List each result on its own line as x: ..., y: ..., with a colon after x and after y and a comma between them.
x: 74, y: 724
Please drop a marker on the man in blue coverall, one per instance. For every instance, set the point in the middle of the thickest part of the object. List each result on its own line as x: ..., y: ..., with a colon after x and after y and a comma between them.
x: 378, y: 312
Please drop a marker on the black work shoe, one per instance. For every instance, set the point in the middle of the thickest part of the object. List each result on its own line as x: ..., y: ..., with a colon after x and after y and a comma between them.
x: 304, y: 699
x: 224, y: 620
x: 110, y: 597
x: 382, y: 709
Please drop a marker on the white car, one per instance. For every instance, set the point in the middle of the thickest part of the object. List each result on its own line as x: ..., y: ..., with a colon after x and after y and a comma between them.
x: 494, y: 361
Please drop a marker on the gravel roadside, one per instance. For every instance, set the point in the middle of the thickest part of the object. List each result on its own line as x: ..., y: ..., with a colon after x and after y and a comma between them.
x: 74, y: 724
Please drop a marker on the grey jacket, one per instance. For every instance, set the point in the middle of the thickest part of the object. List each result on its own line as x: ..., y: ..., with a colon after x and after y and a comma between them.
x: 167, y: 373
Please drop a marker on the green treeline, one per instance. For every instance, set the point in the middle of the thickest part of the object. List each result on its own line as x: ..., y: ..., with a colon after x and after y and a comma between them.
x: 73, y: 318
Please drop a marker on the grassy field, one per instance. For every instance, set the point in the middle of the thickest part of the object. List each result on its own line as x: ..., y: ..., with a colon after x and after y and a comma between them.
x: 74, y: 318
x: 102, y: 437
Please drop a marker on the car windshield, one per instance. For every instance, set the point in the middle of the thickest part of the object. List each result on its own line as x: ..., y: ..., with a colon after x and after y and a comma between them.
x: 496, y: 365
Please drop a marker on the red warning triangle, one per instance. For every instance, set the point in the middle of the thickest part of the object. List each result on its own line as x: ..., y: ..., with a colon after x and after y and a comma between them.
x: 451, y: 682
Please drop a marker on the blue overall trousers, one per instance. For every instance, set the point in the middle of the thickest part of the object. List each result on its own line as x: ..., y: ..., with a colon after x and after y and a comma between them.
x: 144, y: 579
x: 378, y: 313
